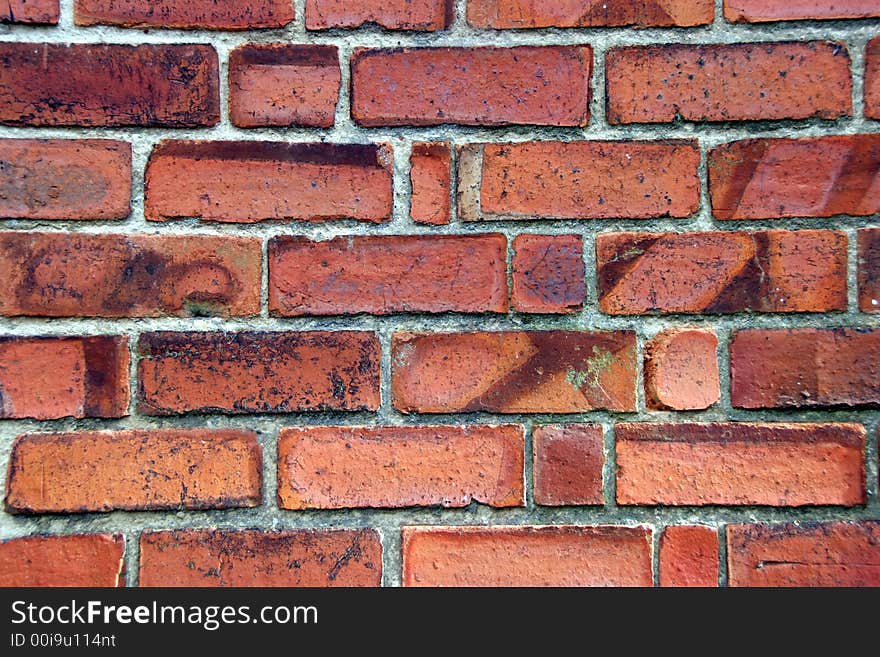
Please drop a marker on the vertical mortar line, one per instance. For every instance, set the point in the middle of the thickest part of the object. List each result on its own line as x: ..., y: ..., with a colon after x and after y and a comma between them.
x: 342, y: 120
x: 459, y: 25
x: 223, y: 49
x: 264, y: 277
x: 703, y: 219
x: 599, y: 93
x: 386, y: 403
x: 65, y: 14
x: 401, y: 147
x: 872, y: 454
x: 529, y: 464
x: 141, y: 147
x: 269, y: 442
x: 131, y: 558
x: 656, y: 530
x: 723, y: 572
x: 857, y: 46
x: 392, y: 558
x: 453, y: 182
x: 298, y: 25
x: 609, y: 470
x: 725, y: 334
x: 852, y: 269
x: 719, y: 23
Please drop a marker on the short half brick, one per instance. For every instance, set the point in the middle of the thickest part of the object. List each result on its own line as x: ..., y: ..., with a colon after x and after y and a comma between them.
x: 522, y: 14
x: 186, y: 14
x: 740, y: 464
x: 869, y: 270
x: 514, y: 372
x: 762, y: 11
x: 528, y: 85
x: 872, y: 77
x: 805, y: 368
x: 109, y: 85
x: 548, y: 274
x: 384, y: 275
x: 414, y: 15
x: 568, y: 463
x: 49, y: 378
x: 140, y: 470
x: 44, y: 12
x: 527, y: 556
x: 252, y: 558
x: 250, y: 181
x: 689, y: 556
x: 103, y: 275
x: 256, y: 372
x: 431, y: 182
x: 397, y: 467
x: 86, y: 560
x: 681, y: 370
x: 728, y: 82
x: 722, y: 272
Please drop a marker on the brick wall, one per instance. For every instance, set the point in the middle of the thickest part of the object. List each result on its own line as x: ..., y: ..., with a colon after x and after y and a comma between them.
x: 434, y: 292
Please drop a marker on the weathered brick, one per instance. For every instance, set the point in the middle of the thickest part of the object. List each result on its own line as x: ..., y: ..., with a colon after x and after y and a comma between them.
x: 252, y: 181
x: 514, y: 372
x: 722, y: 272
x: 568, y: 464
x: 578, y: 180
x: 872, y: 78
x: 761, y: 11
x: 134, y: 470
x: 77, y: 275
x: 211, y: 557
x: 283, y: 85
x: 416, y: 15
x: 527, y: 556
x: 805, y: 367
x: 728, y: 82
x: 548, y: 274
x: 43, y: 84
x: 187, y: 14
x: 48, y: 378
x: 431, y: 180
x: 258, y: 372
x: 383, y: 275
x: 740, y: 463
x: 681, y: 370
x: 810, y: 554
x: 776, y: 178
x: 869, y: 270
x: 472, y: 86
x: 394, y: 467
x: 520, y: 14
x: 89, y: 560
x: 689, y: 556
x: 30, y: 11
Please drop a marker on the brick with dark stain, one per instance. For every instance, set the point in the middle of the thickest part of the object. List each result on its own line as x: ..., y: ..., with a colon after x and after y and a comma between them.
x: 186, y: 14
x: 522, y: 14
x: 41, y: 12
x: 548, y: 274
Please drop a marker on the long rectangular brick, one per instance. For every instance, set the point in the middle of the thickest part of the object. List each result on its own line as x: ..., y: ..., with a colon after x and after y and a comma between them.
x: 186, y: 14
x: 171, y: 85
x: 395, y: 467
x: 250, y: 181
x: 514, y: 372
x: 740, y: 463
x: 383, y: 275
x: 212, y: 557
x: 48, y: 378
x: 92, y: 275
x: 87, y: 560
x: 722, y: 272
x: 527, y: 556
x: 145, y: 470
x: 728, y: 82
x: 869, y: 270
x: 578, y: 180
x: 258, y: 372
x: 543, y: 85
x: 805, y: 368
x: 762, y: 11
x: 30, y: 11
x: 415, y: 15
x: 520, y: 14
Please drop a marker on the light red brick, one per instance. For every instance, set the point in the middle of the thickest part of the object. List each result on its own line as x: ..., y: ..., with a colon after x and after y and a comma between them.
x: 681, y: 370
x: 520, y: 14
x: 568, y: 463
x: 82, y: 560
x: 415, y: 15
x: 431, y: 180
x: 689, y: 556
x: 761, y: 11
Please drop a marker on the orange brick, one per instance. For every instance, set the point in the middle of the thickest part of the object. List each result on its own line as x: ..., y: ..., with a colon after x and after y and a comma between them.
x: 519, y: 14
x: 548, y: 274
x: 30, y: 11
x: 761, y: 11
x: 417, y: 15
x: 431, y: 180
x: 681, y: 370
x: 93, y: 560
x: 689, y: 556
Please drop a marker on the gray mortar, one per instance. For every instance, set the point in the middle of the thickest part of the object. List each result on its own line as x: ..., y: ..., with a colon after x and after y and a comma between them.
x: 388, y: 522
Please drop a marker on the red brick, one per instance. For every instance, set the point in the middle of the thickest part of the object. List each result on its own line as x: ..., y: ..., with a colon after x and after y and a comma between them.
x: 760, y: 11
x: 519, y: 14
x: 258, y: 372
x: 93, y: 560
x: 472, y: 86
x: 44, y: 84
x: 578, y: 180
x: 396, y: 467
x: 64, y: 179
x: 722, y: 272
x: 514, y: 372
x: 689, y: 556
x: 548, y: 274
x: 30, y: 11
x: 420, y: 15
x: 187, y: 14
x: 872, y: 77
x: 211, y: 557
x: 728, y: 82
x: 134, y: 470
x: 681, y: 370
x: 431, y: 181
x: 869, y: 270
x: 92, y: 275
x: 776, y: 178
x: 250, y: 181
x: 527, y: 556
x: 805, y: 367
x: 568, y: 464
x: 48, y: 378
x: 388, y: 274
x: 283, y: 85
x: 740, y: 463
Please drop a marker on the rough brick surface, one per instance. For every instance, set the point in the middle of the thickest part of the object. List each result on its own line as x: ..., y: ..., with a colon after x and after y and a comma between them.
x: 548, y: 274
x: 260, y: 558
x: 689, y: 556
x: 393, y: 467
x: 134, y: 470
x: 738, y: 82
x: 383, y: 275
x: 30, y: 11
x: 47, y: 378
x: 514, y: 372
x: 251, y: 181
x: 681, y: 370
x: 211, y: 15
x: 418, y: 15
x: 872, y: 77
x: 430, y: 179
x: 93, y: 560
x: 869, y: 270
x: 568, y: 462
x: 754, y: 464
x: 520, y: 14
x: 761, y: 11
x: 527, y: 556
